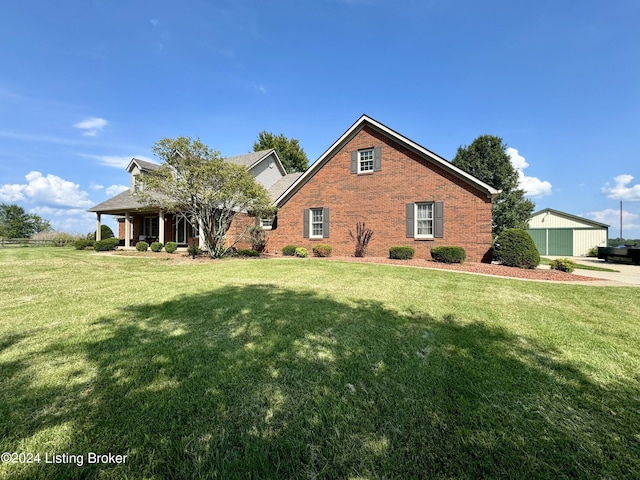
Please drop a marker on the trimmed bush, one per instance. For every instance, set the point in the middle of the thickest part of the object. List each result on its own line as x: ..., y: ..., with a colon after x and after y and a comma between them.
x: 289, y: 250
x: 247, y: 252
x: 194, y: 250
x: 170, y: 247
x: 322, y: 250
x: 401, y: 253
x: 563, y: 265
x: 448, y: 254
x: 106, y: 245
x: 514, y: 247
x: 301, y: 252
x: 156, y: 246
x: 83, y: 244
x: 142, y: 246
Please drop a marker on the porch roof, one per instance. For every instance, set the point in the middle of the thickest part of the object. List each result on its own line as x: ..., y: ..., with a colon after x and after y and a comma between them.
x: 121, y: 203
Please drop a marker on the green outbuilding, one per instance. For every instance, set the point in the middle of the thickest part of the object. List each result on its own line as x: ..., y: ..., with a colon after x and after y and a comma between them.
x: 558, y: 233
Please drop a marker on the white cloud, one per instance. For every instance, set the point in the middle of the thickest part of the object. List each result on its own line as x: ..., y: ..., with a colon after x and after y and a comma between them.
x: 622, y: 190
x: 91, y: 126
x: 532, y: 186
x: 155, y: 22
x: 611, y: 216
x: 116, y: 189
x: 95, y: 186
x: 46, y: 190
x: 70, y: 220
x: 116, y: 161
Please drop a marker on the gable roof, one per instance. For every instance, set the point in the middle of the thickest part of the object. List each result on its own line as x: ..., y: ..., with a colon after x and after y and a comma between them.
x: 142, y: 165
x: 365, y: 121
x: 569, y: 216
x: 251, y: 159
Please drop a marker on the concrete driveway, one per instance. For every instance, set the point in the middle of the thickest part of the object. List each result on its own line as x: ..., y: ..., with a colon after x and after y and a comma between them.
x: 629, y: 274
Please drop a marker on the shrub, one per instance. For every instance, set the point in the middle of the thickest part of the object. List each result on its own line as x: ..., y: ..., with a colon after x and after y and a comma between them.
x: 322, y: 250
x: 401, y: 253
x: 563, y: 265
x: 593, y: 252
x: 258, y: 239
x: 448, y: 254
x: 289, y: 250
x: 514, y: 247
x: 142, y: 246
x: 170, y: 247
x: 83, y: 244
x: 301, y: 252
x: 363, y: 237
x: 106, y: 245
x: 194, y: 250
x: 247, y: 252
x: 156, y: 246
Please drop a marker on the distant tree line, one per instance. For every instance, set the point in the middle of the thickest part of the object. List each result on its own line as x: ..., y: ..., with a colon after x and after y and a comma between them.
x: 615, y: 242
x: 16, y: 223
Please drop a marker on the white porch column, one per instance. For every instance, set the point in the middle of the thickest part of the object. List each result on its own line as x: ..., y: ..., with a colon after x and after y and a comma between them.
x: 127, y: 230
x: 98, y: 227
x: 161, y: 227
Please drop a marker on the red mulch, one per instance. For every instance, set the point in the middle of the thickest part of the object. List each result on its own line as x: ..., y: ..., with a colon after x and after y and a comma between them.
x: 480, y: 268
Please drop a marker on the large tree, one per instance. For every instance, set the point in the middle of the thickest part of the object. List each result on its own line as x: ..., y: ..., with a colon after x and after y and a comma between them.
x: 289, y: 151
x: 16, y: 223
x: 196, y: 182
x: 487, y: 159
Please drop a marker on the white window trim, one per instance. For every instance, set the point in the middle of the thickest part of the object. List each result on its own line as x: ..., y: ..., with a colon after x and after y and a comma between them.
x: 311, y: 223
x: 361, y: 161
x: 266, y: 227
x: 416, y: 219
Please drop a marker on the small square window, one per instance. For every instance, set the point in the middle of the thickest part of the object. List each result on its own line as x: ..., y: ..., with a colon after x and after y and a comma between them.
x: 365, y: 160
x: 266, y: 223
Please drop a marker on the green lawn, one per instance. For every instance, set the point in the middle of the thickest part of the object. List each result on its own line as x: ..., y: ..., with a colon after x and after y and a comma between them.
x: 311, y: 369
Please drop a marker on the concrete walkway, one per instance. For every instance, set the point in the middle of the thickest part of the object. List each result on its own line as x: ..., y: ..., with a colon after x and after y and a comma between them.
x: 627, y: 274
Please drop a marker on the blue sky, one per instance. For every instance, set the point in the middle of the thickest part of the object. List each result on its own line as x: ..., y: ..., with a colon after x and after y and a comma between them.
x: 87, y: 85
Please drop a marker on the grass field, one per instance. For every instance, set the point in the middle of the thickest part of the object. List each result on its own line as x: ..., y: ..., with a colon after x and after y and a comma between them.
x: 311, y: 369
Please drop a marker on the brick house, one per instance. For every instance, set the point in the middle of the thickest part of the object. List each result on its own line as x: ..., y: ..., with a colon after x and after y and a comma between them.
x: 406, y: 194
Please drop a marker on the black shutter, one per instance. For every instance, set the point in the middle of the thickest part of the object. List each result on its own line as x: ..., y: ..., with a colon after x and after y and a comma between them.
x: 354, y: 161
x: 377, y: 159
x: 325, y: 223
x: 409, y: 219
x: 305, y: 223
x: 438, y: 227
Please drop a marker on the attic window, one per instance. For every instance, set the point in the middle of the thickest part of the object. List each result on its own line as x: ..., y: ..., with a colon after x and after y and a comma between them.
x: 365, y: 160
x: 138, y: 185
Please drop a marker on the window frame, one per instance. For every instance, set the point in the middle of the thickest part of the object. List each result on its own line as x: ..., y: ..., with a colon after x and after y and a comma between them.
x: 314, y: 221
x: 430, y: 220
x: 369, y: 160
x: 269, y: 225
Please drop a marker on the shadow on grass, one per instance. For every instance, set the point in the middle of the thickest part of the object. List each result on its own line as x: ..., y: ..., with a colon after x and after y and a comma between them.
x: 263, y: 382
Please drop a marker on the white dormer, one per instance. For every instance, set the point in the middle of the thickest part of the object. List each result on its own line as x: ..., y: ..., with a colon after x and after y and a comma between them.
x: 137, y: 169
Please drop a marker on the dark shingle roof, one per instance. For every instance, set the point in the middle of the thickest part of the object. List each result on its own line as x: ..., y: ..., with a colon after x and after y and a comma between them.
x: 121, y: 203
x: 282, y: 184
x: 144, y: 165
x: 249, y: 159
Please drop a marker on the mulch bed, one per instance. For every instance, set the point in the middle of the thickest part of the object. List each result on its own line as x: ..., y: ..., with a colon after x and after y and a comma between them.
x: 480, y: 268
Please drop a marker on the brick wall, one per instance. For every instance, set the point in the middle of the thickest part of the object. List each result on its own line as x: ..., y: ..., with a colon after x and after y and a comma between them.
x: 379, y: 200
